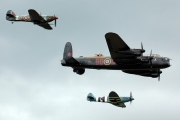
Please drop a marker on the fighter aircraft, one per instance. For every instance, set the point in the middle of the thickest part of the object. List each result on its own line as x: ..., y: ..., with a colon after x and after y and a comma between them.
x: 123, y: 58
x: 113, y: 98
x: 36, y: 18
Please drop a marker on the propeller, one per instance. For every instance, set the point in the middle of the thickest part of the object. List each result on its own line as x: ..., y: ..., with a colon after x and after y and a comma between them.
x: 141, y: 46
x: 131, y: 97
x: 159, y: 72
x: 55, y: 17
x: 150, y: 58
x: 142, y: 50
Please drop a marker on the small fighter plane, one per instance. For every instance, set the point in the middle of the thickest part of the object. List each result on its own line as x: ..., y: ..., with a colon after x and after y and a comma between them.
x: 36, y: 18
x: 113, y: 98
x: 123, y: 58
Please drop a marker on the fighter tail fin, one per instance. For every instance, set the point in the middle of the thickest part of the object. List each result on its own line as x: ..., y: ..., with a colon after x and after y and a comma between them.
x: 10, y: 15
x: 91, y: 97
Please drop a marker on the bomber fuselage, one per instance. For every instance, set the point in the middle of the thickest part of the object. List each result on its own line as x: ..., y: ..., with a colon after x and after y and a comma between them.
x: 106, y: 62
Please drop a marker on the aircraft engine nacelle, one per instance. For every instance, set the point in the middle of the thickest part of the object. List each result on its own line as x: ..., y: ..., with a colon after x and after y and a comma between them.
x: 10, y: 15
x: 102, y: 99
x: 154, y: 75
x: 79, y: 71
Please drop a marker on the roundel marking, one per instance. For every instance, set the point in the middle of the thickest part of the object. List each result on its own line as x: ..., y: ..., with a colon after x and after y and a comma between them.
x: 107, y: 61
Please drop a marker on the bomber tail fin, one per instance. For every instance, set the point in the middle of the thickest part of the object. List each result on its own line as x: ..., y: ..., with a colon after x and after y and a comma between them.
x: 10, y: 15
x: 67, y: 51
x: 68, y: 55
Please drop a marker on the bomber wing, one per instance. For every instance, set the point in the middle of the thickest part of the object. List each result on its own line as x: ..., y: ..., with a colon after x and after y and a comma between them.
x: 146, y: 73
x: 115, y: 44
x: 115, y: 99
x: 36, y: 18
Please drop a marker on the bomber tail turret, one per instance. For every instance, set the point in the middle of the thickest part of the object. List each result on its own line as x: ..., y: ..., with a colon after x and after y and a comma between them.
x: 68, y: 56
x: 68, y: 59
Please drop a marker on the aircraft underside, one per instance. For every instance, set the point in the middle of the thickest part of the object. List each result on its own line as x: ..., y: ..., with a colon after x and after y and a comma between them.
x: 117, y: 67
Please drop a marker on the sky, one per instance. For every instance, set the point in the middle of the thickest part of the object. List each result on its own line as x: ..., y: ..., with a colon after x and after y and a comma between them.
x: 34, y: 85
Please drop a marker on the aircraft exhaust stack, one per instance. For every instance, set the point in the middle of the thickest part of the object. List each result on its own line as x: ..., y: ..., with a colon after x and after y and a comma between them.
x: 67, y: 51
x: 10, y: 15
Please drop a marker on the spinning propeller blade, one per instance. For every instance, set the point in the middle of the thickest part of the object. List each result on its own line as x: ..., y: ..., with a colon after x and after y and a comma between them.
x: 150, y: 53
x: 55, y: 17
x: 131, y: 98
x: 158, y: 75
x: 150, y: 58
x: 141, y: 46
x: 142, y: 50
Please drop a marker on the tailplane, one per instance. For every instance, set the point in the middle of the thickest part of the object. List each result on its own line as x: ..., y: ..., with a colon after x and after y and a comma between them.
x: 10, y: 15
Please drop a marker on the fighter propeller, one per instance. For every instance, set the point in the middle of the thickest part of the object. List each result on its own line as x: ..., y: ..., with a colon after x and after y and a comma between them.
x: 55, y: 18
x: 131, y: 97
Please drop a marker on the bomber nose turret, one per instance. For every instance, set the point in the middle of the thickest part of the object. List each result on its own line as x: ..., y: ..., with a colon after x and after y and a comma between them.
x: 55, y: 17
x: 167, y: 60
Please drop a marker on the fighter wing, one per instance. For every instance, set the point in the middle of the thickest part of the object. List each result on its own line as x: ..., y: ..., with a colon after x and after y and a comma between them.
x: 115, y: 44
x: 45, y: 25
x: 115, y: 99
x: 35, y: 16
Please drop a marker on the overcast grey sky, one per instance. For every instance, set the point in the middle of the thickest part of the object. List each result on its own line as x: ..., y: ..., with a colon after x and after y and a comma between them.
x: 34, y: 85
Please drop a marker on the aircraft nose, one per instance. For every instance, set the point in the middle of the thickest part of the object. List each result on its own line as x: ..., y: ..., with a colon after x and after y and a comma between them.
x: 167, y: 61
x: 55, y: 17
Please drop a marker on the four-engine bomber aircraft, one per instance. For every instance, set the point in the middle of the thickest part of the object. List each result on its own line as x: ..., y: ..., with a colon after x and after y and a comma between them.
x: 36, y: 18
x: 113, y: 98
x: 123, y: 58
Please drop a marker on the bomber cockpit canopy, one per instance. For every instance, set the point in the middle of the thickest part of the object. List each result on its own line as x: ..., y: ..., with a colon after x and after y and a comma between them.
x: 99, y: 54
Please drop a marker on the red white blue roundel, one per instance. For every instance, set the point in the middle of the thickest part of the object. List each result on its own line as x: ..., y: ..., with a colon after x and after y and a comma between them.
x: 107, y: 61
